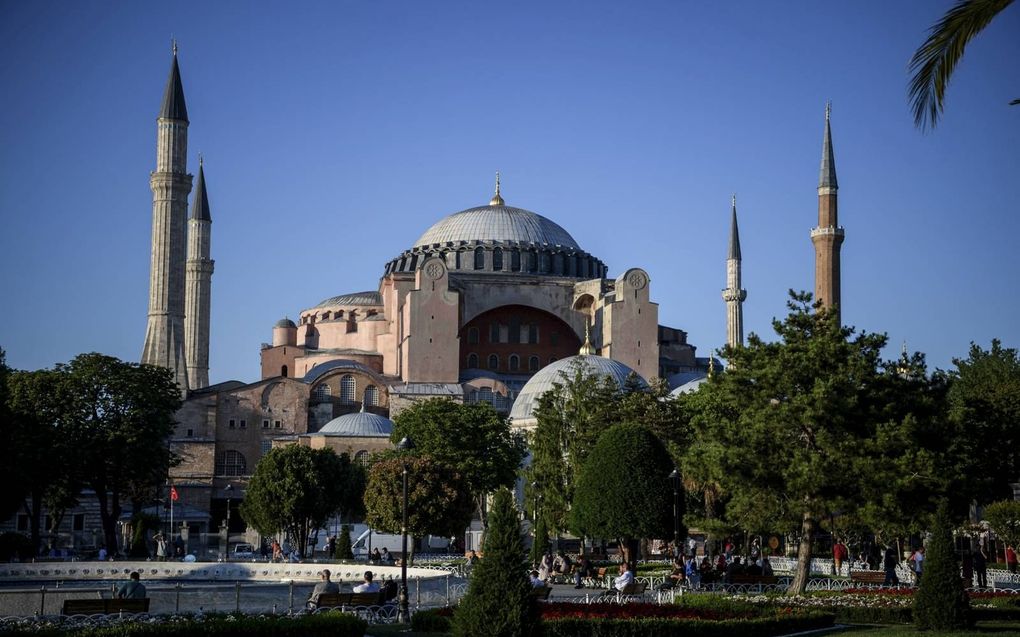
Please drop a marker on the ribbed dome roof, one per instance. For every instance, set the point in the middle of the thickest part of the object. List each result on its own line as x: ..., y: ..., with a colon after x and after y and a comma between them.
x: 285, y: 322
x: 497, y: 223
x: 370, y: 297
x: 543, y: 381
x: 359, y: 425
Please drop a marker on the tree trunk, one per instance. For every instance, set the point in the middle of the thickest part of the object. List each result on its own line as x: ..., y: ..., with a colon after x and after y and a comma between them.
x: 629, y: 550
x: 803, y: 573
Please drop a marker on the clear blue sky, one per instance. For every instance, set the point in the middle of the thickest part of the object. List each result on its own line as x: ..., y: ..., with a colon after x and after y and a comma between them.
x: 335, y: 133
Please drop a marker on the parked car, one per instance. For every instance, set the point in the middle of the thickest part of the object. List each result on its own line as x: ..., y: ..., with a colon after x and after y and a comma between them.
x: 243, y: 552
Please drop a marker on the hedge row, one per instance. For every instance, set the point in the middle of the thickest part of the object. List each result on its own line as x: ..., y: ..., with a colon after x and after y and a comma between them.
x: 760, y: 627
x: 321, y: 625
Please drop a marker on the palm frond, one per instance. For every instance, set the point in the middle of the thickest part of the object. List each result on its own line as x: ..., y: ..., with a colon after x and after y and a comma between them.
x: 932, y: 65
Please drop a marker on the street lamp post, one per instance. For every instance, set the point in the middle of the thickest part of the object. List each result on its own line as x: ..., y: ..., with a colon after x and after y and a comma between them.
x: 675, y: 479
x: 403, y: 613
x: 230, y: 491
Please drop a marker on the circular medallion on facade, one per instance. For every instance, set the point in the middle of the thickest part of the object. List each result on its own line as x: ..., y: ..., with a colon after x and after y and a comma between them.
x: 637, y: 280
x: 434, y: 270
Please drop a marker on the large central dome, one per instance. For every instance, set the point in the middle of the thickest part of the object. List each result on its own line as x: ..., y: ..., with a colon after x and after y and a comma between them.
x: 497, y: 223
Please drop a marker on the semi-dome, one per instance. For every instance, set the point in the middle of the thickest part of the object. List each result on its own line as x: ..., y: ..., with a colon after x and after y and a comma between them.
x: 497, y: 223
x: 359, y: 425
x: 527, y: 399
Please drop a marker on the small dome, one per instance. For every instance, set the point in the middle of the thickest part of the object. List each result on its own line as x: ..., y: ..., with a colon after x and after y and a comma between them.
x: 497, y: 223
x: 359, y: 425
x: 285, y: 322
x: 542, y: 382
x: 689, y: 386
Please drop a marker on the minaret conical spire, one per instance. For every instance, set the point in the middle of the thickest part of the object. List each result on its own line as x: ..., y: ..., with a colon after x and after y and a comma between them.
x: 173, y: 106
x: 827, y: 173
x: 734, y: 252
x: 200, y: 206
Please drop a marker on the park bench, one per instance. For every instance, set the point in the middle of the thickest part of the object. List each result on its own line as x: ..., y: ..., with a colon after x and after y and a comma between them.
x: 871, y: 578
x: 540, y: 593
x: 104, y: 606
x: 352, y: 600
x: 634, y: 589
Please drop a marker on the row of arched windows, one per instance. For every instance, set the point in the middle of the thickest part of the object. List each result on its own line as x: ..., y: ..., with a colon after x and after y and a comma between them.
x: 534, y: 260
x: 348, y: 390
x: 513, y: 362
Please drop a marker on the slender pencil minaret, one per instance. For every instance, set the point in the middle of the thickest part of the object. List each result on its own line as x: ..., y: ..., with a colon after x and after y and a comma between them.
x: 828, y: 236
x: 198, y: 286
x: 171, y: 183
x: 733, y: 294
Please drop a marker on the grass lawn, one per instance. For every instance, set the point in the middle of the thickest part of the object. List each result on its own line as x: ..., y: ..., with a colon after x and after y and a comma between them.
x: 983, y: 629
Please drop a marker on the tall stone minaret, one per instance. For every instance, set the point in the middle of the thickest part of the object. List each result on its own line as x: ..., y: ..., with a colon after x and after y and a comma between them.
x: 198, y: 287
x: 828, y: 236
x: 733, y: 294
x: 171, y: 183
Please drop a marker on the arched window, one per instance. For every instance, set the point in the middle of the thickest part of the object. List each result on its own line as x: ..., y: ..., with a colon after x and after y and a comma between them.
x: 362, y: 458
x: 348, y: 389
x: 543, y: 262
x: 533, y: 333
x: 493, y: 362
x: 557, y: 265
x: 231, y: 463
x: 479, y: 258
x: 515, y: 363
x: 533, y: 364
x: 321, y: 392
x: 371, y: 396
x: 515, y: 260
x: 485, y: 395
x: 283, y: 371
x: 472, y: 361
x: 532, y: 261
x: 497, y: 259
x: 472, y: 336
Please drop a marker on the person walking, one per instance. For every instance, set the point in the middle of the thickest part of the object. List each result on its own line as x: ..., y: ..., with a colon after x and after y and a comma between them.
x: 1011, y: 559
x: 918, y: 559
x: 980, y: 561
x: 889, y: 564
x: 839, y: 554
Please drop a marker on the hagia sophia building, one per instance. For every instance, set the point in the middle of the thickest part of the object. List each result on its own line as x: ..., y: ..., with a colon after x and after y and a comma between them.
x: 488, y: 304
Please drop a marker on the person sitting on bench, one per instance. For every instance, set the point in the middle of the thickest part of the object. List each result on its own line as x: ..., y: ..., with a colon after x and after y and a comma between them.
x: 625, y: 579
x: 368, y: 586
x: 324, y: 586
x: 536, y: 581
x: 132, y: 589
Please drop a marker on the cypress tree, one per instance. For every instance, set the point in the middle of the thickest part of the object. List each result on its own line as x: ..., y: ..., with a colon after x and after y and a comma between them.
x: 498, y: 601
x: 343, y: 544
x: 541, y: 543
x: 941, y: 603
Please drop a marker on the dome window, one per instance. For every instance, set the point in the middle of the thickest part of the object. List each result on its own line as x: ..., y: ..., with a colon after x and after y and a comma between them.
x: 533, y: 364
x: 497, y: 259
x: 479, y: 258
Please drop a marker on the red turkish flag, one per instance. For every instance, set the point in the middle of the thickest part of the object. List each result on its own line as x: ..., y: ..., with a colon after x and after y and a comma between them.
x: 173, y: 494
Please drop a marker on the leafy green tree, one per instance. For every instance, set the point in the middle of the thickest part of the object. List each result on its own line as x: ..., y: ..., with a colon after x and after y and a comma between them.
x: 984, y: 403
x: 941, y: 603
x: 472, y: 438
x: 438, y: 500
x: 297, y: 489
x: 117, y: 416
x: 38, y: 457
x: 1004, y: 518
x: 934, y: 62
x: 570, y: 417
x: 498, y: 600
x: 788, y: 421
x: 624, y: 489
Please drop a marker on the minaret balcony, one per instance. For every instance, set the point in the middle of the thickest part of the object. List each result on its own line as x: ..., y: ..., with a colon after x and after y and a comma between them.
x: 827, y: 231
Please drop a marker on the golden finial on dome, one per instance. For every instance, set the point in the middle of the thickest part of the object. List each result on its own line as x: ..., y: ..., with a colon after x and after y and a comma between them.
x: 586, y: 348
x: 496, y: 199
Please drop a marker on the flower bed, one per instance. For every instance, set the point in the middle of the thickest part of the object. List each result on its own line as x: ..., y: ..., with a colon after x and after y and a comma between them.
x: 710, y: 617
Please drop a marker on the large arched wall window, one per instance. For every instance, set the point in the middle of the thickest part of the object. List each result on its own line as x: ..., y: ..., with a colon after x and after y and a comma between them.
x: 348, y: 389
x: 231, y: 463
x: 515, y: 330
x: 321, y: 392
